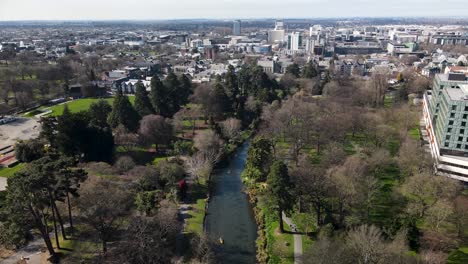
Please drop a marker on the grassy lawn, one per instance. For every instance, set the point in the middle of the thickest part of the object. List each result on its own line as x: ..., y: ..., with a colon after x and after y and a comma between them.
x: 81, y: 105
x: 280, y: 246
x: 74, y: 106
x: 414, y: 133
x: 459, y: 256
x: 8, y: 172
x: 194, y: 221
x: 76, y: 248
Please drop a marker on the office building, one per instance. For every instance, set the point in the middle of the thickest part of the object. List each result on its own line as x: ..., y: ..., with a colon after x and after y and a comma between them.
x: 445, y: 110
x: 295, y: 41
x: 276, y: 35
x: 237, y: 28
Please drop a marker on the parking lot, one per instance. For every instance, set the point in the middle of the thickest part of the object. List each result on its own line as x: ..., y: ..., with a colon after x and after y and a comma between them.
x: 22, y: 128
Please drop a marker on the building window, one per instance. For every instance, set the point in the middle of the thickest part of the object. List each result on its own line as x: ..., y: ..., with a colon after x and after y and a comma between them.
x: 452, y: 115
x: 454, y: 107
x: 465, y: 116
x: 462, y: 131
x: 449, y: 130
x: 460, y: 138
x: 466, y: 146
x: 447, y: 137
x: 446, y: 145
x: 466, y: 108
x: 451, y: 122
x: 463, y: 123
x: 458, y: 146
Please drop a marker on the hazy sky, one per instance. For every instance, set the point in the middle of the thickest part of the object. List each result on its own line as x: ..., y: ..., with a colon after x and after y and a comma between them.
x: 170, y: 9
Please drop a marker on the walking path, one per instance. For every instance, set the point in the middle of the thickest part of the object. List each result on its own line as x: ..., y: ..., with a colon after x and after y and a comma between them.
x: 297, y: 240
x: 31, y: 253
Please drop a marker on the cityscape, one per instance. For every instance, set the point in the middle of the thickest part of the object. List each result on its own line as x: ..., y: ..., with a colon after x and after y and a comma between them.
x: 211, y: 133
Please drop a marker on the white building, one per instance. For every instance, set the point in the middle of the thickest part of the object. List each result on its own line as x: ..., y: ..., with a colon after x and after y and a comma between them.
x: 295, y: 41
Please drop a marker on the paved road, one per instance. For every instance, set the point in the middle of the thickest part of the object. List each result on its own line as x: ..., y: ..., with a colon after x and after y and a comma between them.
x: 297, y: 241
x: 31, y: 251
x: 3, y: 183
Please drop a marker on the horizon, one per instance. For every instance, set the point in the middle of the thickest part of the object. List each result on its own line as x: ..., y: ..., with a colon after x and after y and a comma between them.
x: 146, y: 10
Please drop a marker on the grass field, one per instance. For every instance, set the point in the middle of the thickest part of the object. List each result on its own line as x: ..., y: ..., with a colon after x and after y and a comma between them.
x: 194, y: 220
x: 81, y: 105
x: 74, y: 106
x: 8, y: 172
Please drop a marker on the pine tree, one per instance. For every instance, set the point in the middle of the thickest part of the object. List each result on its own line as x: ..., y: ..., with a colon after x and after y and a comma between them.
x: 185, y: 89
x: 280, y: 187
x: 142, y: 101
x: 123, y: 113
x: 156, y: 96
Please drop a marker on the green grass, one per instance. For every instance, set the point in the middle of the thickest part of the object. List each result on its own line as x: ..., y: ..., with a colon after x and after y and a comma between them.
x: 8, y: 172
x: 195, y: 221
x: 81, y: 105
x: 76, y: 248
x: 197, y: 200
x: 280, y: 247
x: 414, y: 133
x: 459, y: 256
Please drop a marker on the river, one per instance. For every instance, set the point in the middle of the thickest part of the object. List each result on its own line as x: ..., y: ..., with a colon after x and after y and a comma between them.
x: 230, y: 214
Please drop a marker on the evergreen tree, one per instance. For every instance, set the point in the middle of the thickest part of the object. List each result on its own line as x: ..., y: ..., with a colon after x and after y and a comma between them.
x: 142, y: 101
x: 157, y: 96
x: 309, y: 70
x: 232, y: 88
x: 258, y: 159
x: 123, y: 113
x: 172, y: 96
x: 280, y: 188
x: 294, y: 70
x: 185, y: 89
x: 99, y: 113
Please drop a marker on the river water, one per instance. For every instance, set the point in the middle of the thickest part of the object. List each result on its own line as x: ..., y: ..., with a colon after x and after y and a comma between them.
x: 230, y: 214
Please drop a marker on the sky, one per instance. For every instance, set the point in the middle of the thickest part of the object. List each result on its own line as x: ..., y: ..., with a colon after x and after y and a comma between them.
x: 224, y: 9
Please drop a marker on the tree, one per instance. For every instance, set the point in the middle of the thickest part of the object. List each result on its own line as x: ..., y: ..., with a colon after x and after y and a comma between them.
x: 34, y: 191
x: 309, y: 70
x: 97, y: 208
x: 313, y: 186
x: 294, y: 70
x: 231, y: 128
x: 27, y: 151
x: 259, y: 159
x: 438, y: 213
x: 280, y: 188
x: 142, y: 101
x: 123, y: 113
x: 155, y: 129
x: 150, y: 239
x: 423, y: 191
x: 185, y: 89
x: 124, y: 138
x: 461, y: 214
x: 158, y: 97
x: 99, y: 112
x: 124, y: 164
x: 378, y: 84
x: 147, y: 201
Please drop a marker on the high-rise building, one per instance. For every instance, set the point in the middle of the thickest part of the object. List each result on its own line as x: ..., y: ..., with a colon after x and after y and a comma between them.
x: 236, y: 28
x: 276, y: 35
x: 279, y: 25
x: 445, y: 111
x: 295, y: 41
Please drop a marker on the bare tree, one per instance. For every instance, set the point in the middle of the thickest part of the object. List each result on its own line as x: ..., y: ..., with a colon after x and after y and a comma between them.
x: 125, y: 138
x: 438, y: 213
x: 156, y: 129
x: 97, y: 208
x: 378, y: 84
x: 231, y: 128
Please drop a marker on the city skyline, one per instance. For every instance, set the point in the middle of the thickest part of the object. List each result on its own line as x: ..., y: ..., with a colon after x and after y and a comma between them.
x: 226, y: 9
